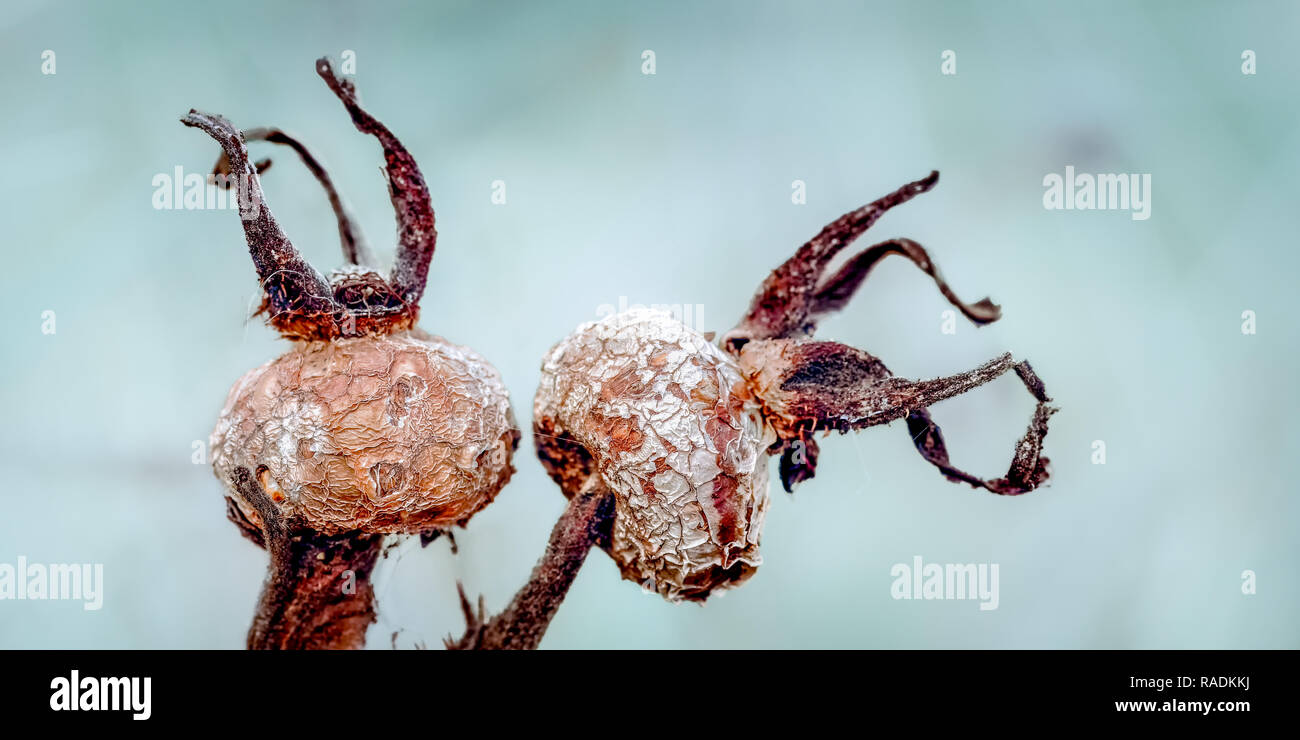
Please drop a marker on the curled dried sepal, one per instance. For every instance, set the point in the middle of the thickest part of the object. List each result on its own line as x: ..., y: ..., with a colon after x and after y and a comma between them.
x: 1029, y: 467
x: 356, y: 301
x: 835, y: 292
x: 355, y: 248
x: 785, y: 303
x: 834, y: 386
x: 299, y: 299
x: 807, y: 386
x: 416, y: 235
x: 811, y: 385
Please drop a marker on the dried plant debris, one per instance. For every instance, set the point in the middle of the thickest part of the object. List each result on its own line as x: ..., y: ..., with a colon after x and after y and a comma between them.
x: 368, y: 426
x: 656, y: 433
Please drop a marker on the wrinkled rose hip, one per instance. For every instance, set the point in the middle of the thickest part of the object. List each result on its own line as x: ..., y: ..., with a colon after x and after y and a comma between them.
x: 670, y: 425
x: 368, y: 426
x: 395, y: 434
x: 655, y: 434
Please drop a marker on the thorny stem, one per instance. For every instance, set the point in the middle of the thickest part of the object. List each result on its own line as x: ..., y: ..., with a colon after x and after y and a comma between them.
x: 318, y: 594
x: 355, y: 248
x: 586, y: 522
x: 416, y: 235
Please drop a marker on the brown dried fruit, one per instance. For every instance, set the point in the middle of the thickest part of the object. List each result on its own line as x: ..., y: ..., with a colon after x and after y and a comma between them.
x: 655, y: 433
x: 671, y: 427
x: 396, y: 434
x: 367, y: 426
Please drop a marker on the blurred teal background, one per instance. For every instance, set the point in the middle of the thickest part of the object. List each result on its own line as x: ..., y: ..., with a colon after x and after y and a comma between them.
x: 675, y: 188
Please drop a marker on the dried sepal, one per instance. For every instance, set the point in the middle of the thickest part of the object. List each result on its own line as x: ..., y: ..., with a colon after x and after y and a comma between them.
x: 806, y: 383
x: 416, y: 235
x: 356, y: 250
x: 810, y: 385
x: 357, y: 301
x: 299, y: 300
x: 834, y: 293
x: 807, y: 386
x: 1029, y: 467
x: 785, y: 303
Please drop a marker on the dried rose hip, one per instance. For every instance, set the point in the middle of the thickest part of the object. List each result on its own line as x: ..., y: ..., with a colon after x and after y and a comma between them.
x: 667, y: 422
x: 392, y: 434
x: 368, y: 426
x: 656, y: 434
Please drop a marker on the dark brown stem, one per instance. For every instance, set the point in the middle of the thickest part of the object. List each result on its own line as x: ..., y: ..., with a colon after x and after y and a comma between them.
x: 586, y: 522
x: 356, y: 249
x: 318, y: 594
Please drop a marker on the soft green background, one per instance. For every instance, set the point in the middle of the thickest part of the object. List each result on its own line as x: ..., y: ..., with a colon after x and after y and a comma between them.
x: 675, y: 188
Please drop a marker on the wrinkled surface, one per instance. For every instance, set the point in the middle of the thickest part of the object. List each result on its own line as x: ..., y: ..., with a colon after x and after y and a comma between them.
x: 667, y: 420
x: 387, y: 434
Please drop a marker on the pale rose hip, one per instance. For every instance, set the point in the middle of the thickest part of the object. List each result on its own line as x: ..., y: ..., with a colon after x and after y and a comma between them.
x: 674, y: 431
x: 655, y: 433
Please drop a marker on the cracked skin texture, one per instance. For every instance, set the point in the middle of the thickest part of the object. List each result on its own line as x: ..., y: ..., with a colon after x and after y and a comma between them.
x: 667, y: 420
x: 392, y: 434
